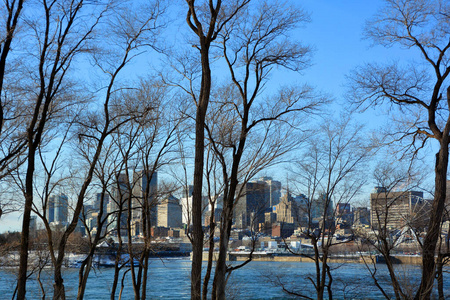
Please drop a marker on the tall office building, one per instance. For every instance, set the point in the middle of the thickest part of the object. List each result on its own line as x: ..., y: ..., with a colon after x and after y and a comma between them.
x: 101, y: 197
x: 186, y: 205
x: 58, y: 209
x: 361, y: 216
x: 33, y: 223
x: 145, y: 191
x: 170, y: 213
x: 272, y: 190
x: 50, y: 210
x: 252, y: 204
x: 322, y: 207
x: 120, y: 193
x: 302, y: 203
x: 118, y: 204
x: 394, y: 210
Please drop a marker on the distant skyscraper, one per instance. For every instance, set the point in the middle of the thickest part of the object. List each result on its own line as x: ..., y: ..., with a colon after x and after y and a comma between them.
x: 51, y: 209
x: 252, y: 204
x: 33, y: 223
x: 319, y: 205
x: 272, y: 191
x: 394, y: 210
x: 119, y: 202
x: 58, y: 208
x: 361, y: 216
x: 98, y: 202
x: 169, y: 213
x: 119, y: 194
x: 145, y: 190
x: 186, y: 205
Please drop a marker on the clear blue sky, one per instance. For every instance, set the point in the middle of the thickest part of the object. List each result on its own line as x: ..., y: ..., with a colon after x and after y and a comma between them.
x: 336, y: 34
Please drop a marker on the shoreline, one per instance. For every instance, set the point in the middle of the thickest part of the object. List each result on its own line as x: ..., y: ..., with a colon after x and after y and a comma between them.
x: 398, y: 259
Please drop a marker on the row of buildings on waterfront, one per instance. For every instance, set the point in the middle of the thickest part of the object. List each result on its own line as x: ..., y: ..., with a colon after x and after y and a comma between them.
x: 261, y: 205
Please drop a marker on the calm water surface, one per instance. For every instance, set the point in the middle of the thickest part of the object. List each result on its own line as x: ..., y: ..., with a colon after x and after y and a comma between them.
x: 169, y: 279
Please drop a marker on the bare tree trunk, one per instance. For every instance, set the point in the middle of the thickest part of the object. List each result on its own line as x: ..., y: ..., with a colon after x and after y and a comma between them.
x: 41, y: 286
x: 394, y: 281
x: 83, y: 275
x: 24, y: 243
x: 197, y: 230
x: 434, y: 225
x: 122, y: 284
x: 219, y: 284
x: 118, y: 256
x: 320, y: 275
x: 86, y: 265
x: 202, y: 107
x: 34, y: 140
x: 58, y: 286
x: 330, y: 281
x: 210, y: 254
x: 135, y: 283
x: 146, y: 222
x: 439, y: 276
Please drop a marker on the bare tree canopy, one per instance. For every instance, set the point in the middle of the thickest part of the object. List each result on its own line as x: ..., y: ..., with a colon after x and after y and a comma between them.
x: 418, y: 94
x: 330, y: 173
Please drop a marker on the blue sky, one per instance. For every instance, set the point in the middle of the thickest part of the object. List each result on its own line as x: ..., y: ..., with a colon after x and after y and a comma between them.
x: 335, y: 32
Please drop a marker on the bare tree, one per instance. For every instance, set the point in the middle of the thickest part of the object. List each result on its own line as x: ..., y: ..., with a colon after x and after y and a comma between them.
x: 58, y: 41
x: 134, y: 111
x: 12, y: 141
x: 250, y: 132
x: 250, y: 58
x: 329, y: 175
x: 206, y: 19
x: 145, y: 147
x: 396, y: 210
x: 416, y: 92
x: 65, y: 32
x: 97, y: 220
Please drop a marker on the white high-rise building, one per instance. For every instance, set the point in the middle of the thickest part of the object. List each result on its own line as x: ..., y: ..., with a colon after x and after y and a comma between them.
x: 186, y: 205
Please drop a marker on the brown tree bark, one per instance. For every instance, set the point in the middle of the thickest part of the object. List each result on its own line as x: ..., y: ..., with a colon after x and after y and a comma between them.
x: 202, y: 107
x: 247, y: 51
x: 14, y: 10
x: 434, y: 225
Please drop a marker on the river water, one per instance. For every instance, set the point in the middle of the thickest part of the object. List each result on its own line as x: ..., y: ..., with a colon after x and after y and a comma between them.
x: 169, y: 279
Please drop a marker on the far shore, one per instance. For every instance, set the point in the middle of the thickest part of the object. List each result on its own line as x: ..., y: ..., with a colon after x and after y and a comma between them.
x: 398, y: 259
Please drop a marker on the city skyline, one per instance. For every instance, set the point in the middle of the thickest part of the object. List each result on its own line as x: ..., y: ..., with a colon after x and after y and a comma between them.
x: 255, y: 206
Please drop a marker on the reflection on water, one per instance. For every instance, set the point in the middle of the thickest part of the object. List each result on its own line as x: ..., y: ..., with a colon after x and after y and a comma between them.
x: 170, y: 279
